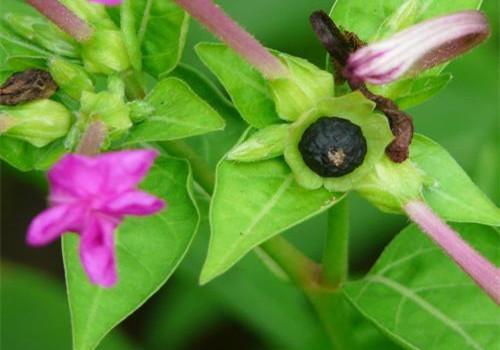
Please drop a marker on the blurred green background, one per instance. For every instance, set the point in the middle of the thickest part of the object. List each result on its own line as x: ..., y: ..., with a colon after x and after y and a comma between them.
x: 248, y: 308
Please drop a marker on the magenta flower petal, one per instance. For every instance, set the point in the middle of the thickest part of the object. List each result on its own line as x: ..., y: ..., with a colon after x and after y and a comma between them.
x: 53, y: 222
x: 419, y: 47
x: 133, y: 203
x: 97, y: 251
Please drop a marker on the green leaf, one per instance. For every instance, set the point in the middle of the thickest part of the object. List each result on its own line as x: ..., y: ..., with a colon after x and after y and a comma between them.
x: 419, y: 297
x: 452, y: 195
x: 412, y: 92
x: 214, y: 145
x: 248, y: 89
x: 378, y: 19
x: 179, y: 113
x: 26, y: 157
x: 149, y: 249
x: 162, y: 29
x: 253, y: 202
x: 35, y: 313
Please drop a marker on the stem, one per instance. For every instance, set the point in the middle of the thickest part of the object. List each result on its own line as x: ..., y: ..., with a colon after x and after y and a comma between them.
x: 227, y: 30
x: 485, y: 274
x: 92, y: 139
x: 201, y: 170
x: 301, y: 270
x: 335, y: 255
x: 134, y: 89
x: 63, y: 18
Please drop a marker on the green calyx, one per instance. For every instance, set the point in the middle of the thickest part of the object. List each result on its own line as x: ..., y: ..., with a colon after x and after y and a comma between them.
x: 39, y: 122
x: 107, y: 107
x: 264, y: 144
x: 358, y: 110
x: 391, y: 185
x: 70, y: 77
x: 301, y: 89
x: 105, y: 52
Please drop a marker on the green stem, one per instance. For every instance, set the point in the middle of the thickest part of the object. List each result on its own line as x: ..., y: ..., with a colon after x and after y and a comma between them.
x: 201, y: 170
x: 301, y: 270
x: 335, y: 255
x: 134, y: 88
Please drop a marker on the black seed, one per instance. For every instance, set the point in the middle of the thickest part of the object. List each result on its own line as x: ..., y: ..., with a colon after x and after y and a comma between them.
x: 333, y: 146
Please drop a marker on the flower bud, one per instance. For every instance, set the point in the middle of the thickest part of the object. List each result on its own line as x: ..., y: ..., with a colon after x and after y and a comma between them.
x: 43, y: 33
x: 105, y: 52
x: 86, y: 10
x: 417, y: 48
x: 70, y: 77
x: 39, y: 122
x: 108, y: 107
x: 300, y: 90
x: 140, y: 110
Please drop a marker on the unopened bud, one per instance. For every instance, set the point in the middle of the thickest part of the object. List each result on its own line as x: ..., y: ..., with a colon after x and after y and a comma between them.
x: 300, y: 90
x: 70, y: 77
x: 38, y: 122
x: 105, y: 52
x: 108, y: 107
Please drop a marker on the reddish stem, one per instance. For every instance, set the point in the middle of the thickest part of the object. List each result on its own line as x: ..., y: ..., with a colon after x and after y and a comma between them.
x: 92, y: 139
x: 63, y: 18
x: 485, y: 274
x: 221, y: 25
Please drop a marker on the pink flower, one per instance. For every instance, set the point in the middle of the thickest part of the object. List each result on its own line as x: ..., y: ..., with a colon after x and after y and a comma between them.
x: 91, y: 196
x: 419, y: 47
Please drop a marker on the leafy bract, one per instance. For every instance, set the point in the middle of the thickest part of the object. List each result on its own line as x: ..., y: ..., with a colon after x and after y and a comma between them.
x: 247, y: 87
x: 251, y: 203
x: 418, y: 296
x: 161, y: 29
x: 178, y: 113
x: 26, y: 157
x: 451, y: 194
x: 149, y: 249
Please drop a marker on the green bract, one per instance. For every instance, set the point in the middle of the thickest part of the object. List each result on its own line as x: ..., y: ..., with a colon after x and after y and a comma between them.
x: 107, y: 107
x: 70, y: 78
x: 301, y: 89
x: 39, y: 122
x: 105, y: 52
x: 391, y: 185
x: 360, y: 111
x: 264, y: 144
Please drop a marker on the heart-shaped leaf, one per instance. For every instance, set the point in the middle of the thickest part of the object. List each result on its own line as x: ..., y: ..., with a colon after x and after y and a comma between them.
x: 418, y: 296
x: 178, y: 113
x: 149, y: 249
x: 452, y: 195
x: 26, y: 157
x: 251, y: 203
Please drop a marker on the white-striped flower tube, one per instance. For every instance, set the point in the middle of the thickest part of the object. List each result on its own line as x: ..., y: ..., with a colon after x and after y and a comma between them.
x: 417, y: 48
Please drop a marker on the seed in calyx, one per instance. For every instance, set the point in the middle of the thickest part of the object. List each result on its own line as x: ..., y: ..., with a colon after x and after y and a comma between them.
x: 332, y: 146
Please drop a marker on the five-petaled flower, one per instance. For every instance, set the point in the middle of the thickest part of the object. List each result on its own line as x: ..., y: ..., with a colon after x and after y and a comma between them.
x: 91, y: 196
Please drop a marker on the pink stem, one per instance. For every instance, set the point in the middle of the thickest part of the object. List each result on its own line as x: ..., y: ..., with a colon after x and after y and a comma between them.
x: 92, y: 139
x: 486, y: 275
x: 63, y: 18
x: 221, y: 25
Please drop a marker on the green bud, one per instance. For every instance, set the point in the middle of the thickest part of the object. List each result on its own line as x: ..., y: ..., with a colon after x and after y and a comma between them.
x: 391, y: 185
x: 39, y: 122
x: 355, y: 108
x: 70, y: 77
x: 140, y: 110
x: 116, y: 86
x: 105, y: 52
x: 301, y: 90
x: 264, y: 144
x: 43, y: 33
x: 109, y: 108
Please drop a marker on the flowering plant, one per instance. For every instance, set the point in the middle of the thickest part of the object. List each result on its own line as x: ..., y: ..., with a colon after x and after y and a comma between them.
x: 142, y: 152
